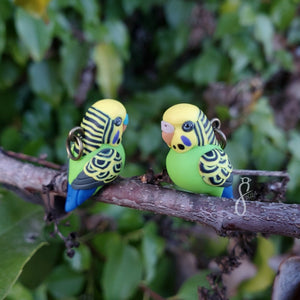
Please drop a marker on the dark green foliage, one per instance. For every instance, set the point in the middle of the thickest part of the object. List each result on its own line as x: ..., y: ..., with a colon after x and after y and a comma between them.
x: 149, y: 55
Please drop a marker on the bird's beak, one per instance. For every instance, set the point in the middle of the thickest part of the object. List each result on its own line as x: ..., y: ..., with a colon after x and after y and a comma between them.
x: 167, y: 137
x: 167, y: 132
x: 124, y: 127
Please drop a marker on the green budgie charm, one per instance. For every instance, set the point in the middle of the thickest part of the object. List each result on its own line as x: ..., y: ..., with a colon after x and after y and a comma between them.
x: 196, y: 161
x: 96, y: 155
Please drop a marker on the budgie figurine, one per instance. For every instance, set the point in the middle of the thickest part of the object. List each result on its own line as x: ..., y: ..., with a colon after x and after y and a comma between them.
x: 96, y: 155
x: 196, y: 162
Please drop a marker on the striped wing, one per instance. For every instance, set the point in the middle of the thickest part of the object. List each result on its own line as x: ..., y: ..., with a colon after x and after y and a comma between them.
x: 102, y: 168
x: 215, y: 168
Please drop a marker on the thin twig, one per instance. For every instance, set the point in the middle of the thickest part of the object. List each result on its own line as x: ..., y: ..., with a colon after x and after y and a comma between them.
x: 261, y: 173
x: 151, y: 293
x: 32, y: 159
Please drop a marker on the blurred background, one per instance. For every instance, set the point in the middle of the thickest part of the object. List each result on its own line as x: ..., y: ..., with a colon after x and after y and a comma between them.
x: 237, y: 60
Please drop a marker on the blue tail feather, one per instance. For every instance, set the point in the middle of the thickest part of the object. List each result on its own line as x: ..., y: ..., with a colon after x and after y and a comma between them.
x: 77, y: 197
x: 227, y: 192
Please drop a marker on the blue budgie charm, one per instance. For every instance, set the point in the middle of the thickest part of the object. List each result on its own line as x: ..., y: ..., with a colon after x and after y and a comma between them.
x: 196, y: 161
x: 96, y: 155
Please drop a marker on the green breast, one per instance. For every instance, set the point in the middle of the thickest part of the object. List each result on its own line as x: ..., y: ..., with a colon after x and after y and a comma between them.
x: 183, y: 169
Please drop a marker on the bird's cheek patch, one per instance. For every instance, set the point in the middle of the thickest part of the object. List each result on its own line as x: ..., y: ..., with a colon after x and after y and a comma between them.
x: 116, y: 137
x: 186, y: 141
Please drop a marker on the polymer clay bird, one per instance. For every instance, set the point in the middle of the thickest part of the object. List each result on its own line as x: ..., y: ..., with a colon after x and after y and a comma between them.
x: 96, y: 155
x: 196, y: 162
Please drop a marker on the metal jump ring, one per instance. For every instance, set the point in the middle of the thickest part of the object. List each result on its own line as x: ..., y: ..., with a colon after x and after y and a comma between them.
x: 75, y: 135
x: 216, y: 125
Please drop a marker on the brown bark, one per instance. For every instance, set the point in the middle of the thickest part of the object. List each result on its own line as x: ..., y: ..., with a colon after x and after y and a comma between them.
x: 218, y: 213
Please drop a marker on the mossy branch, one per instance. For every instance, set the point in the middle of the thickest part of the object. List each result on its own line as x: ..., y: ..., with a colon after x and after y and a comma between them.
x: 218, y: 213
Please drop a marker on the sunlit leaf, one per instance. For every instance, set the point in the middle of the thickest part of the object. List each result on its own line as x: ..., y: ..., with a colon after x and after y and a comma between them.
x: 246, y: 15
x: 19, y: 292
x: 229, y: 6
x: 35, y: 34
x: 109, y: 69
x: 35, y: 7
x: 265, y: 275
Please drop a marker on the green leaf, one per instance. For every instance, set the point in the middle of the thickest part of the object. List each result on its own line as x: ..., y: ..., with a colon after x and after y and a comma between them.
x: 64, y: 282
x: 122, y: 259
x: 247, y: 15
x: 228, y: 24
x: 148, y: 140
x: 229, y: 6
x: 294, y: 144
x: 152, y: 248
x: 208, y: 66
x: 117, y: 34
x: 74, y: 57
x: 19, y: 292
x: 285, y: 59
x: 44, y: 81
x: 18, y: 51
x: 11, y: 138
x: 178, y: 12
x: 6, y: 9
x: 35, y: 34
x: 82, y: 259
x: 2, y: 36
x: 264, y: 33
x: 89, y: 9
x: 282, y: 13
x: 189, y: 289
x: 38, y: 268
x: 109, y: 69
x: 9, y: 73
x: 293, y: 36
x: 266, y: 155
x: 265, y: 275
x: 130, y: 220
x: 21, y: 225
x: 294, y: 172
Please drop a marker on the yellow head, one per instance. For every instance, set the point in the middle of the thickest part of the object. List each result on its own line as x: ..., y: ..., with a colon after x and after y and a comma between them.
x: 104, y: 123
x: 185, y: 126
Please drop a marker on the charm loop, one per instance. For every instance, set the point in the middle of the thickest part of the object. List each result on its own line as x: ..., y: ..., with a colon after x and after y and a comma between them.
x: 216, y: 125
x: 75, y: 136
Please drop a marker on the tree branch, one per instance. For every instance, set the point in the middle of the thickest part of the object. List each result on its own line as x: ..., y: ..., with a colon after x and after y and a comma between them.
x: 218, y: 213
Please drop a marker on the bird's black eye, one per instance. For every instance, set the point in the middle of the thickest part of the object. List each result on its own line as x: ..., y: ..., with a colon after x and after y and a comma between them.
x: 118, y: 121
x: 187, y: 126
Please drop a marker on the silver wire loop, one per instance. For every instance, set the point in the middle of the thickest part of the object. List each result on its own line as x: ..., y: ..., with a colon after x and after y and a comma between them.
x: 216, y: 125
x: 75, y: 136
